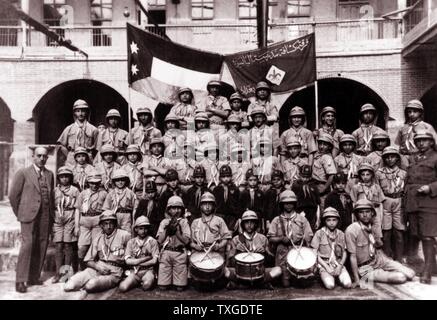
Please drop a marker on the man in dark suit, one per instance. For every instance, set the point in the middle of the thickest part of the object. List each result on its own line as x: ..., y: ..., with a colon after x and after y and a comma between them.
x: 32, y: 201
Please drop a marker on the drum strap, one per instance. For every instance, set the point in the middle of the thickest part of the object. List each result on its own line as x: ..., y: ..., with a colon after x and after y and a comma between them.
x: 242, y: 240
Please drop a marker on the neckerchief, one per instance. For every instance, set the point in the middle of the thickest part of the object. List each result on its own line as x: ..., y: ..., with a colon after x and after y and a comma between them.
x: 66, y: 201
x: 287, y: 224
x: 367, y: 231
x: 119, y: 195
x: 111, y: 134
x: 108, y: 168
x: 367, y: 136
x: 409, y: 142
x: 80, y: 137
x: 140, y: 244
x: 106, y: 248
x: 88, y: 200
x: 392, y: 176
x: 145, y: 138
x: 332, y: 239
x: 82, y: 176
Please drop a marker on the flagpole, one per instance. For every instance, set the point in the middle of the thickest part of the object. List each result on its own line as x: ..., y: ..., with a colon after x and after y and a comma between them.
x: 316, y: 106
x: 129, y: 120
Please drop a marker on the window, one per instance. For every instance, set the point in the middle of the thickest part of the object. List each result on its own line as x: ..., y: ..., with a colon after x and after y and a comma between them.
x: 101, y: 10
x: 155, y: 3
x: 101, y: 15
x: 202, y: 9
x: 298, y: 8
x: 246, y: 9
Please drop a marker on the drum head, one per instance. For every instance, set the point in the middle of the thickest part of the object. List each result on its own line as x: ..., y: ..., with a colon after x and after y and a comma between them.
x: 211, y: 262
x: 301, y: 259
x: 249, y: 257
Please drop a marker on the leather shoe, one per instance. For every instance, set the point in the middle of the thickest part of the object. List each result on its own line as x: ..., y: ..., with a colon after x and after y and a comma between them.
x: 20, y: 287
x: 37, y: 282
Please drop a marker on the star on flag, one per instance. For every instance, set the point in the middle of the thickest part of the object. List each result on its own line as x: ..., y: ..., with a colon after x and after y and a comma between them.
x: 134, y: 69
x: 134, y: 48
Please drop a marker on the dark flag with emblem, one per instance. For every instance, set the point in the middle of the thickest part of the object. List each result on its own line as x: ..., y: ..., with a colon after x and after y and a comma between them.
x: 158, y: 67
x: 286, y: 66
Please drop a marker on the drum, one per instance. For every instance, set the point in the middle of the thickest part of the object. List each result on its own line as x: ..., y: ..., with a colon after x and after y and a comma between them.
x: 302, y: 263
x: 206, y: 268
x: 249, y: 266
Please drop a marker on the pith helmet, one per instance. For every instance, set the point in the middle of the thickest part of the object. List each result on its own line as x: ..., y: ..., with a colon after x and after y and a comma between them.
x: 367, y: 107
x: 201, y: 116
x: 287, y: 196
x: 296, y: 111
x: 119, y: 174
x: 175, y: 201
x: 258, y: 110
x: 94, y: 177
x: 207, y: 197
x: 233, y: 119
x: 327, y: 109
x: 365, y: 166
x: 80, y: 150
x: 390, y: 150
x: 113, y: 113
x: 185, y: 89
x: 326, y: 138
x: 80, y: 104
x: 64, y: 170
x: 293, y: 141
x: 381, y: 135
x: 249, y: 215
x: 107, y: 148
x: 363, y: 204
x: 171, y: 117
x: 133, y: 148
x: 142, y: 221
x: 155, y: 141
x: 214, y: 83
x: 262, y: 85
x: 423, y: 134
x: 348, y: 138
x: 107, y: 215
x: 143, y: 110
x: 414, y: 104
x: 235, y: 96
x: 330, y: 213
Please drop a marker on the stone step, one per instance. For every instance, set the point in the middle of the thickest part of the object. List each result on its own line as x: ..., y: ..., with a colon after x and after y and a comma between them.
x: 9, y: 257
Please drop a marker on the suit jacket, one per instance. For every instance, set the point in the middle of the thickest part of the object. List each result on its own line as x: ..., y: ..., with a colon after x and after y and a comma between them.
x: 271, y: 207
x: 258, y: 205
x: 25, y: 194
x: 232, y: 206
x: 190, y: 201
x: 333, y: 200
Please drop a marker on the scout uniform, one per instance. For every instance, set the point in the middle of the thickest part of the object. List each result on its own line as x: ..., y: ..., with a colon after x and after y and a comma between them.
x: 170, y: 175
x: 331, y: 248
x: 289, y: 166
x: 108, y: 253
x: 340, y: 201
x: 137, y: 248
x: 375, y: 157
x: 158, y: 161
x: 348, y: 163
x: 372, y: 192
x: 270, y: 109
x: 78, y: 134
x: 80, y: 172
x: 150, y: 208
x: 173, y: 258
x: 238, y: 168
x: 185, y: 111
x: 193, y: 195
x: 371, y: 262
x: 242, y: 115
x: 263, y: 165
x: 335, y: 133
x: 253, y: 199
x: 106, y: 169
x: 210, y: 165
x: 271, y: 196
x: 405, y: 136
x: 231, y: 138
x: 216, y: 103
x: 263, y: 132
x: 227, y: 198
x: 421, y: 207
x: 209, y: 230
x: 203, y: 137
x: 142, y: 135
x: 63, y: 227
x: 308, y: 198
x: 392, y: 181
x: 302, y: 134
x: 295, y: 227
x: 365, y: 132
x: 185, y: 168
x: 116, y: 137
x: 250, y: 243
x: 173, y: 138
x: 121, y: 201
x: 134, y: 171
x: 90, y: 206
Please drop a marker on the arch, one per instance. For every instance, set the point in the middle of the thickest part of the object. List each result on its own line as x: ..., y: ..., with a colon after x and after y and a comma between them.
x: 429, y: 100
x: 6, y: 139
x: 346, y: 95
x: 53, y: 112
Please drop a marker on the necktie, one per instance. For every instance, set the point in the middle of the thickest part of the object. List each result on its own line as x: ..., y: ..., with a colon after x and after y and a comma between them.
x: 225, y: 195
x: 252, y: 198
x: 149, y: 208
x: 198, y: 195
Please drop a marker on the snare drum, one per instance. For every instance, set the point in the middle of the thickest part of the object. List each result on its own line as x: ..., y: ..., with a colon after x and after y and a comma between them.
x: 249, y: 266
x: 206, y: 268
x: 302, y: 263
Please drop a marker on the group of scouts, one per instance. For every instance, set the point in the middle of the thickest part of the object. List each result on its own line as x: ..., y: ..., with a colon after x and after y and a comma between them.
x: 133, y: 206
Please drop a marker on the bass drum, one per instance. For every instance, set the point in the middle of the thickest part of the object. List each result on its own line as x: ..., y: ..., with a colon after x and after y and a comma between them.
x: 249, y: 266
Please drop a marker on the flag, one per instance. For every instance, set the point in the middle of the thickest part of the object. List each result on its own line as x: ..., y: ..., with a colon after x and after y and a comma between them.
x: 286, y: 66
x: 159, y: 68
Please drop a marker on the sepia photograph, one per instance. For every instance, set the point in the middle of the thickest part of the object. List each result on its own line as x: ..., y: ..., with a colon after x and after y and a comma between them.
x: 219, y: 155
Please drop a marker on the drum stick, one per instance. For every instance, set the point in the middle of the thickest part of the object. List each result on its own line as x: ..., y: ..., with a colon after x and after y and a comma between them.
x: 208, y: 251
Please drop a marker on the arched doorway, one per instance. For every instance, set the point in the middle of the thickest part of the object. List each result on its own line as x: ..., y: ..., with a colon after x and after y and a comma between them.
x: 429, y: 100
x: 53, y: 111
x: 346, y: 95
x: 6, y: 139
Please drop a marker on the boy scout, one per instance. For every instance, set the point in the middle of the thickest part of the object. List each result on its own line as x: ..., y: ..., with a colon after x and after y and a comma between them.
x: 172, y: 188
x: 264, y: 163
x: 210, y: 164
x: 330, y: 244
x: 271, y: 196
x: 157, y: 162
x: 217, y: 107
x: 250, y: 241
x: 79, y: 134
x: 292, y: 163
x: 252, y: 198
x: 141, y: 256
x: 236, y: 102
x: 112, y: 134
x: 263, y: 95
x: 89, y: 207
x: 260, y: 130
x: 63, y: 227
x: 134, y: 169
x: 150, y: 207
x: 365, y: 258
x: 145, y: 132
x: 364, y: 134
x: 193, y: 195
x: 174, y: 234
x: 82, y: 168
x: 340, y: 200
x: 232, y: 137
x: 239, y: 164
x: 348, y: 161
x: 296, y: 120
x: 107, y: 166
x: 380, y: 140
x: 286, y: 230
x: 185, y: 109
x: 328, y: 122
x: 104, y: 258
x: 121, y: 200
x: 202, y: 135
x: 420, y: 198
x: 173, y: 137
x: 392, y: 181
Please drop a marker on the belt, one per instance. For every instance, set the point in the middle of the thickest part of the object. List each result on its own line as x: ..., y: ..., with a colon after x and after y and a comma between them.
x: 112, y: 263
x: 124, y: 211
x: 175, y: 249
x: 366, y: 262
x: 395, y: 195
x: 91, y: 214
